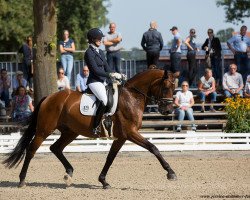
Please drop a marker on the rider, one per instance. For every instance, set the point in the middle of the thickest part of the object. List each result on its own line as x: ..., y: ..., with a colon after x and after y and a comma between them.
x: 100, y: 73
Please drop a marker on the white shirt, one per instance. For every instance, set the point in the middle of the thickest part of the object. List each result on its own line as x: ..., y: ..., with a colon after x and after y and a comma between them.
x: 247, y: 86
x: 184, y: 97
x: 62, y: 84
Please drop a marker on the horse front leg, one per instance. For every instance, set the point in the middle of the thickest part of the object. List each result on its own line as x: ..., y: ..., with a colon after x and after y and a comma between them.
x: 116, y: 146
x: 141, y: 141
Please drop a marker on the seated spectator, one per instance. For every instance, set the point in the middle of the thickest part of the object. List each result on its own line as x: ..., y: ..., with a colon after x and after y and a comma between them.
x: 81, y: 79
x: 184, y: 101
x: 4, y: 87
x: 22, y: 107
x: 247, y: 87
x: 17, y: 81
x: 206, y: 87
x: 62, y: 81
x: 233, y: 82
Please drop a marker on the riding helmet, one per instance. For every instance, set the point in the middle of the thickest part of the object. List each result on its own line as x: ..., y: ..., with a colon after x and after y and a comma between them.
x: 94, y: 33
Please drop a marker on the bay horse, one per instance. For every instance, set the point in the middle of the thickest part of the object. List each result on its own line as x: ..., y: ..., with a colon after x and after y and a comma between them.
x: 61, y: 111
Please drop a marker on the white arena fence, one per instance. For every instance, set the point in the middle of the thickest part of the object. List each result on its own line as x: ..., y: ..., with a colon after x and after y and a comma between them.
x: 164, y: 141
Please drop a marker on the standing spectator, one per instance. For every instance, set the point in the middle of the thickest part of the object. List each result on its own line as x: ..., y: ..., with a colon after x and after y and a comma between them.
x: 81, y: 79
x: 247, y: 87
x: 184, y: 101
x: 212, y: 47
x: 239, y: 44
x: 22, y: 106
x: 112, y: 42
x: 206, y: 87
x: 62, y: 80
x: 152, y: 43
x: 67, y: 48
x: 233, y: 82
x: 191, y: 56
x: 28, y: 53
x: 17, y: 81
x: 175, y: 51
x: 4, y: 87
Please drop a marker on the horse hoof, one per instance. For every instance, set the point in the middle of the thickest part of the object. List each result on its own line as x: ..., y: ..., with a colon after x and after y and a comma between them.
x: 22, y: 185
x: 107, y: 186
x: 172, y: 177
x: 67, y: 179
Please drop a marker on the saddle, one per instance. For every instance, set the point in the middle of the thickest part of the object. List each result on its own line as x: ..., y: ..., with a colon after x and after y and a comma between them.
x: 89, y: 104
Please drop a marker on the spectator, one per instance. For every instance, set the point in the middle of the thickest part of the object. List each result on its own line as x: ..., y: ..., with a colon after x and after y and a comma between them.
x: 17, y: 81
x: 239, y: 44
x: 212, y: 47
x: 206, y: 87
x: 247, y: 87
x: 191, y: 56
x: 152, y: 43
x: 81, y: 79
x: 22, y: 106
x: 67, y: 48
x: 112, y: 42
x: 233, y: 82
x: 175, y: 52
x: 4, y: 87
x: 28, y: 55
x: 62, y: 80
x: 184, y: 101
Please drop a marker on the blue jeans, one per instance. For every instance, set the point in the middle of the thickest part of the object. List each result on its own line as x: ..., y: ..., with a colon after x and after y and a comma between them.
x: 114, y: 60
x: 212, y: 95
x: 228, y: 94
x: 181, y: 114
x: 67, y: 63
x: 5, y: 96
x: 241, y: 61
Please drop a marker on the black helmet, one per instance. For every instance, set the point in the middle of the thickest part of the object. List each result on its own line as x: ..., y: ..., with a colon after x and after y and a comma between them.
x: 94, y: 33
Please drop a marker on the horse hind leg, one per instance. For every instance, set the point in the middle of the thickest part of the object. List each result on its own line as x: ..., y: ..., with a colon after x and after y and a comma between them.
x: 57, y: 148
x: 34, y: 145
x: 141, y: 141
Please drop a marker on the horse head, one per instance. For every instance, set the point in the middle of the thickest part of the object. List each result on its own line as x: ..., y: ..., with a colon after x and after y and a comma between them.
x: 163, y: 90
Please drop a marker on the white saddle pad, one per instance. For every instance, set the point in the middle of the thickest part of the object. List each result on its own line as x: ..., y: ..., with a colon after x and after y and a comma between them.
x: 88, y: 103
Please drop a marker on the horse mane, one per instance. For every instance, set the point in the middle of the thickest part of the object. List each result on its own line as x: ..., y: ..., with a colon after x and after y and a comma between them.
x: 158, y: 72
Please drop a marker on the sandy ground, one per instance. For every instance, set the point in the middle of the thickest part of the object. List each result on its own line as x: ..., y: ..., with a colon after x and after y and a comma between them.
x: 201, y: 175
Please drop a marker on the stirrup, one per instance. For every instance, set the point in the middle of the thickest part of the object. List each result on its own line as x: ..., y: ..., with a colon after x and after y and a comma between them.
x: 97, y: 131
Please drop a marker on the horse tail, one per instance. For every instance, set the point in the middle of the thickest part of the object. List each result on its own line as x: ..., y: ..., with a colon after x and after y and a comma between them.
x: 16, y: 156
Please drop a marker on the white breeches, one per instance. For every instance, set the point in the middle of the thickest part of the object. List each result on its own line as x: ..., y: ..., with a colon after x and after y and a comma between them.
x: 99, y: 91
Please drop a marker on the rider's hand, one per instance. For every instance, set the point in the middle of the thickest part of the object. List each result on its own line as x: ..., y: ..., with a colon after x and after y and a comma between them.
x: 115, y: 75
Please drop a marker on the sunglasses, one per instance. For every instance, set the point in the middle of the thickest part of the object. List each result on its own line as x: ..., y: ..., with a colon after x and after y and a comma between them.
x: 193, y: 32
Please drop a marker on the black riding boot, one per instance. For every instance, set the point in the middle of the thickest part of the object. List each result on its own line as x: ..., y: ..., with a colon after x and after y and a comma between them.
x: 97, y: 120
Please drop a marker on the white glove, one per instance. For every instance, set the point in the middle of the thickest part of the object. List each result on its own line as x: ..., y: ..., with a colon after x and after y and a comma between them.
x: 116, y: 75
x: 124, y: 77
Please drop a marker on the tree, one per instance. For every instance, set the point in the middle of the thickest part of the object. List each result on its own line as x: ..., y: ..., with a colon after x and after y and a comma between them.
x: 224, y: 35
x: 236, y: 10
x: 79, y: 16
x: 45, y: 59
x: 16, y: 22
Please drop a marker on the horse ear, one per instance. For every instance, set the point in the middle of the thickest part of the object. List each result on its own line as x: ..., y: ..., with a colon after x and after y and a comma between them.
x: 165, y: 76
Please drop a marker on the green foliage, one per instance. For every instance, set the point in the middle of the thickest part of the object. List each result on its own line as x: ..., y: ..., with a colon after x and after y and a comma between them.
x: 224, y: 35
x: 236, y: 10
x: 79, y: 16
x: 238, y: 115
x: 16, y: 20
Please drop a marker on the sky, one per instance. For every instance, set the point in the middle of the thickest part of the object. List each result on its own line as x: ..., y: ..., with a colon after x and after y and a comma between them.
x: 132, y: 18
